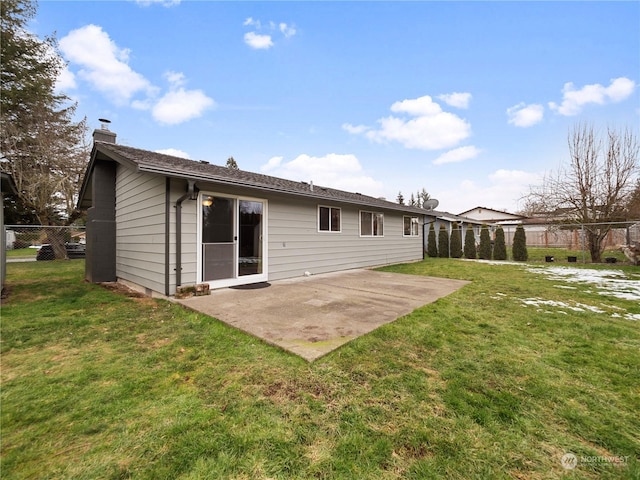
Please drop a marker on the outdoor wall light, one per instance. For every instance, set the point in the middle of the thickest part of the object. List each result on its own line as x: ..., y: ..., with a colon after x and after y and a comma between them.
x: 207, y: 201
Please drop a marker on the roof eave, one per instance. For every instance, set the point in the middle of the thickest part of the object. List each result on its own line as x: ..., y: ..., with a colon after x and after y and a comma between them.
x: 274, y: 189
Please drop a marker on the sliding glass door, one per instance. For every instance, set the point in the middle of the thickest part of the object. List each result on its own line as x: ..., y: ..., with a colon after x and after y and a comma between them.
x: 232, y: 240
x: 218, y: 238
x: 250, y: 237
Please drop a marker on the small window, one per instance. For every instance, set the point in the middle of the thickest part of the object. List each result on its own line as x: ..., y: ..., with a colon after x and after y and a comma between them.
x: 329, y: 219
x: 411, y: 227
x: 371, y: 224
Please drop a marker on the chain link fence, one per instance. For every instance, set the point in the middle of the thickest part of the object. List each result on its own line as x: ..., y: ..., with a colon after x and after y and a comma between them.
x: 41, y: 242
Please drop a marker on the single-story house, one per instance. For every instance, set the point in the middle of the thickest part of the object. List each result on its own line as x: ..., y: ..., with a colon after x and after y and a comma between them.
x: 8, y: 187
x: 159, y: 222
x: 491, y: 216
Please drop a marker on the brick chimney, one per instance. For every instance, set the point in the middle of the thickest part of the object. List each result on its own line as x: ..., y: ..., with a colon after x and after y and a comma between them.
x: 103, y: 134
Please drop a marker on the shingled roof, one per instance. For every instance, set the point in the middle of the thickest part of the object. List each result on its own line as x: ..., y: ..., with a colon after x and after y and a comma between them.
x: 176, y: 167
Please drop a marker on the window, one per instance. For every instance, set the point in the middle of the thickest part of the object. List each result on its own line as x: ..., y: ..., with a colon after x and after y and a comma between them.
x: 411, y: 227
x: 329, y: 219
x: 371, y: 224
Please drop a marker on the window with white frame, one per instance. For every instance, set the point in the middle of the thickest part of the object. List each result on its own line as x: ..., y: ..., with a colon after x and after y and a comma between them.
x: 329, y: 219
x: 411, y: 227
x: 371, y: 224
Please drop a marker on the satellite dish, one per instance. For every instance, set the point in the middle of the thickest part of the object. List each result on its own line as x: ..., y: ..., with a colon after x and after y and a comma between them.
x: 431, y: 204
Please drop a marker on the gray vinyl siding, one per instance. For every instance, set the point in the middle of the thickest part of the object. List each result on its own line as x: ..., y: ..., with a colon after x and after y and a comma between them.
x: 140, y: 231
x: 296, y: 246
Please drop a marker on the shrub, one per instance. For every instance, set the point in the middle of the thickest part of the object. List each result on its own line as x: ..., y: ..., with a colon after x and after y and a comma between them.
x: 443, y: 242
x: 520, y: 245
x: 485, y: 243
x: 470, y: 243
x: 432, y: 245
x: 455, y: 245
x: 499, y: 247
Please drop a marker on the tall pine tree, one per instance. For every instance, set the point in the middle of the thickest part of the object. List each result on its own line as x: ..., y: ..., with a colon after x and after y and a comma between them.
x: 43, y: 148
x: 470, y: 243
x: 499, y: 246
x: 520, y: 252
x: 443, y: 242
x: 455, y: 246
x: 432, y: 244
x: 485, y: 243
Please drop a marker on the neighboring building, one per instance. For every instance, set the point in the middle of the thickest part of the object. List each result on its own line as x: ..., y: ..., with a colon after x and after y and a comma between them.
x: 160, y: 222
x: 491, y: 216
x: 8, y: 187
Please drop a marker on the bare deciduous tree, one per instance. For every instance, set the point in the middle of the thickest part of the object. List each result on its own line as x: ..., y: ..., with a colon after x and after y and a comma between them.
x: 595, y: 186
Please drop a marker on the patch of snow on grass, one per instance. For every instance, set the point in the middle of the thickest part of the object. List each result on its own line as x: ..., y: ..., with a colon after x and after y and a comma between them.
x: 607, y: 282
x: 576, y: 307
x: 628, y: 316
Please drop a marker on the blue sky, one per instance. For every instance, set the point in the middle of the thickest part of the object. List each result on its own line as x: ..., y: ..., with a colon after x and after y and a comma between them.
x: 472, y: 101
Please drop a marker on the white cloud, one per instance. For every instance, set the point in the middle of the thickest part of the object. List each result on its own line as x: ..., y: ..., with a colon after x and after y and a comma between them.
x: 274, y: 162
x: 500, y: 190
x: 264, y: 41
x: 573, y: 100
x: 522, y: 115
x: 354, y: 129
x: 341, y: 171
x: 180, y: 105
x: 456, y: 99
x: 174, y: 152
x: 259, y: 42
x: 457, y: 155
x: 417, y: 106
x: 164, y: 3
x: 104, y: 65
x: 175, y: 79
x: 430, y: 129
x: 518, y: 177
x: 66, y: 81
x: 287, y: 30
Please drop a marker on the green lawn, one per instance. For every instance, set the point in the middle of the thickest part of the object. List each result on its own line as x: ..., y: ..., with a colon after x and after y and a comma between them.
x: 478, y: 385
x: 22, y: 253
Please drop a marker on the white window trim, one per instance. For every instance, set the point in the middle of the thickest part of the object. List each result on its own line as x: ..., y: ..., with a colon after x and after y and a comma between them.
x: 360, y: 224
x: 329, y: 231
x: 417, y: 223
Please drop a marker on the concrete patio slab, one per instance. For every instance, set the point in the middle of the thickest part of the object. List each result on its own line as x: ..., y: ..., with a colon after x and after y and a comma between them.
x: 311, y: 316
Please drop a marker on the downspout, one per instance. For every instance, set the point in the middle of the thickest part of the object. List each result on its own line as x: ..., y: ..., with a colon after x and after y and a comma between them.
x: 191, y: 194
x: 167, y: 233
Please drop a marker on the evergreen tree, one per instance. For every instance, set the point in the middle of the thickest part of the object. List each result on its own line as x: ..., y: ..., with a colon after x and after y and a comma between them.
x: 232, y: 164
x: 400, y: 198
x: 499, y: 247
x: 455, y: 246
x: 520, y: 245
x: 423, y: 196
x: 432, y: 245
x: 470, y: 243
x: 485, y: 243
x: 43, y: 148
x: 443, y: 242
